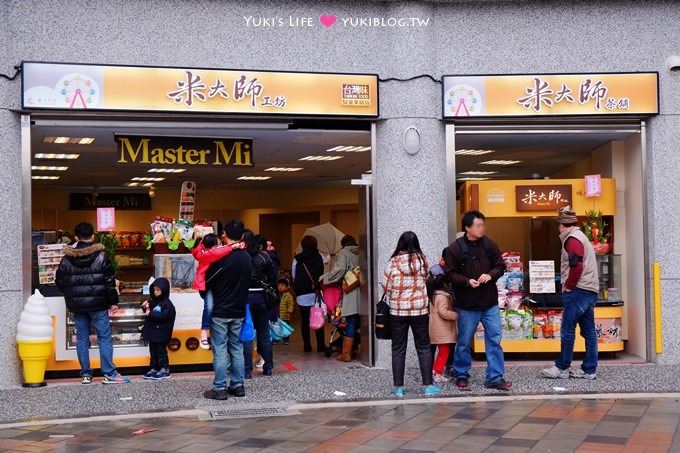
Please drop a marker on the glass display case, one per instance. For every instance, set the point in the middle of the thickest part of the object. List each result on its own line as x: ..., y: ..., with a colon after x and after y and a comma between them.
x: 609, y: 269
x: 126, y: 322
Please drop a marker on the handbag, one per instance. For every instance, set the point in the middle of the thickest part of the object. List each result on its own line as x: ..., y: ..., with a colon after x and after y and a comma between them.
x: 280, y: 329
x: 352, y: 279
x: 318, y: 311
x: 381, y: 325
x: 272, y: 298
x: 317, y: 314
x: 247, y: 329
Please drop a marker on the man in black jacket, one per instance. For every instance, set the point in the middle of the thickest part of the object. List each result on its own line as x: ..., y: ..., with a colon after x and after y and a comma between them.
x: 86, y: 278
x: 472, y: 265
x: 229, y: 280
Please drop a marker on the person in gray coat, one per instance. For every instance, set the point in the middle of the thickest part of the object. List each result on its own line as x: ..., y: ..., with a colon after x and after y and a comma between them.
x: 346, y: 259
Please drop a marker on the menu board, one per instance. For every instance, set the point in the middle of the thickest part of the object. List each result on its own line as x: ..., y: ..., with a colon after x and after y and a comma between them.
x: 542, y: 277
x: 49, y: 257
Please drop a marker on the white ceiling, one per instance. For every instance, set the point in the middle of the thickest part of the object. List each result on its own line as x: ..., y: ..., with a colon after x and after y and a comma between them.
x: 544, y: 154
x: 96, y: 166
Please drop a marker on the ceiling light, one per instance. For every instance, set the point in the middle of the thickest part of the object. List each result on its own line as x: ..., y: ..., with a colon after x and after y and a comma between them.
x: 48, y: 168
x: 321, y: 158
x: 166, y: 170
x: 254, y: 178
x: 348, y: 149
x: 71, y: 140
x: 56, y: 156
x: 45, y: 177
x: 284, y: 169
x: 132, y: 184
x: 478, y: 173
x: 473, y: 152
x: 144, y: 178
x: 500, y: 162
x: 472, y: 179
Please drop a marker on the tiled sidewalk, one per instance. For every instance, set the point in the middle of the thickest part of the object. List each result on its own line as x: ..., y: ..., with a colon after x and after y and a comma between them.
x: 507, y: 425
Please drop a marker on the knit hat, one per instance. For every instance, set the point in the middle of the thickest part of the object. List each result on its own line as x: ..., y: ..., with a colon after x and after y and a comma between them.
x: 566, y: 216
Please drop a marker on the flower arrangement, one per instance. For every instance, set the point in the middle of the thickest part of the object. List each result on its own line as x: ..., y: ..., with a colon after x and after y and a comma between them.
x: 594, y: 228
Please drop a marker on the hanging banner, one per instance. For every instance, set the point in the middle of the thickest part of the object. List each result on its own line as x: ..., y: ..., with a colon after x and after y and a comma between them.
x: 129, y: 88
x: 551, y: 95
x: 184, y: 151
x: 187, y: 200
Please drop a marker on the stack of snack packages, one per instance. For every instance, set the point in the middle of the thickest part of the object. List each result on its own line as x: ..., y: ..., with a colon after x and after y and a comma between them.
x: 517, y: 322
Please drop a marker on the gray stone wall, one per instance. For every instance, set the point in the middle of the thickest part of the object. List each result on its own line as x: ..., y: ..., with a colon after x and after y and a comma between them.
x: 461, y: 37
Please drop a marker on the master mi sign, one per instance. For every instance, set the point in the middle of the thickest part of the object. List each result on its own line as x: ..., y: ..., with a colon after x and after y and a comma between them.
x: 198, y: 152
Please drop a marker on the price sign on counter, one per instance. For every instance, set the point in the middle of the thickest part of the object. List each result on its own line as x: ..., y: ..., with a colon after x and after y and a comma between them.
x: 542, y: 277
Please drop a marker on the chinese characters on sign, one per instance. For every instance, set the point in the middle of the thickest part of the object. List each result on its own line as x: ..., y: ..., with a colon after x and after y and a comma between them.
x: 540, y: 94
x: 355, y: 95
x: 542, y: 198
x: 193, y: 88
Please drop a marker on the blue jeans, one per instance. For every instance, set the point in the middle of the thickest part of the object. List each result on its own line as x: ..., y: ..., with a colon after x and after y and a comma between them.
x: 224, y: 338
x: 208, y: 304
x: 579, y: 308
x: 353, y: 323
x: 102, y: 325
x: 468, y: 320
x: 260, y: 314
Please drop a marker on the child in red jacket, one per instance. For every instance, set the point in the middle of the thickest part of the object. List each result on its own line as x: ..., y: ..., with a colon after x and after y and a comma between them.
x: 207, y: 252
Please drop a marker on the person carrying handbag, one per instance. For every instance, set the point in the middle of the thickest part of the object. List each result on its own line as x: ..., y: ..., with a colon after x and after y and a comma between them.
x: 404, y: 287
x: 306, y: 270
x: 346, y: 260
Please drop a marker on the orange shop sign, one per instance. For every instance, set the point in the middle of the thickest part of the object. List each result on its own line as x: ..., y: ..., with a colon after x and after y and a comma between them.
x: 542, y: 197
x: 551, y: 95
x: 57, y: 86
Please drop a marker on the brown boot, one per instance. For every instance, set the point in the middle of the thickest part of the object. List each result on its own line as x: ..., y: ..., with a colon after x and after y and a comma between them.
x: 347, y: 343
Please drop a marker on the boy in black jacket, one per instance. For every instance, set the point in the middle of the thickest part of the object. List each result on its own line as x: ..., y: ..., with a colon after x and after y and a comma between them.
x: 157, y: 330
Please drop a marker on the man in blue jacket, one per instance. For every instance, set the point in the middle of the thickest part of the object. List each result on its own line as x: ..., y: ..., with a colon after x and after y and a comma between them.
x: 86, y: 278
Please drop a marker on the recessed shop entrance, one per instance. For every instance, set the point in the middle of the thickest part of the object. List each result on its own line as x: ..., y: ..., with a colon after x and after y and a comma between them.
x: 507, y: 168
x: 296, y: 174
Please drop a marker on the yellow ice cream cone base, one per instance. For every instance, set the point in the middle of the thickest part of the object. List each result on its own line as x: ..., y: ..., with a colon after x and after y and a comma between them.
x: 34, y: 355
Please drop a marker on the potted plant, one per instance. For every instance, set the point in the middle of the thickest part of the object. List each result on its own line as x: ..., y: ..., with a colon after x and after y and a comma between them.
x: 110, y: 242
x: 594, y: 228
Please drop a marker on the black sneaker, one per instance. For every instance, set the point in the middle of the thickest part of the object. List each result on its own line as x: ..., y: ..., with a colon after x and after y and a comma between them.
x: 238, y: 392
x: 500, y: 384
x: 450, y: 372
x: 461, y: 383
x: 213, y: 394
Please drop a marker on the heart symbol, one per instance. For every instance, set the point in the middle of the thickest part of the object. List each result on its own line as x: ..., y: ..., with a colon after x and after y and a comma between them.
x: 327, y: 20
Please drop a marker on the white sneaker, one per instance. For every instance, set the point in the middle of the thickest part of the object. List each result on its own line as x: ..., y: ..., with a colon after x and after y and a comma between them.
x: 259, y: 363
x: 578, y: 373
x: 554, y: 373
x: 439, y: 378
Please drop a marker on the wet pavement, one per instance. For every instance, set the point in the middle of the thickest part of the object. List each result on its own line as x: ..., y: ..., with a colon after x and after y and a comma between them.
x: 561, y: 424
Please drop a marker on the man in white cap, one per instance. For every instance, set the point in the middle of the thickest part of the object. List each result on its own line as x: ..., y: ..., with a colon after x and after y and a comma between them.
x: 580, y: 284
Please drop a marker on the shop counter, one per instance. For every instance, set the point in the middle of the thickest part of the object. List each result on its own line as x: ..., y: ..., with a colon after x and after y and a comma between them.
x: 126, y: 324
x: 607, y: 323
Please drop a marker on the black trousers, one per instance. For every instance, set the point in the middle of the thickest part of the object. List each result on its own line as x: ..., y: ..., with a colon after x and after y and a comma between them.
x: 304, y: 330
x: 421, y: 335
x: 159, y: 356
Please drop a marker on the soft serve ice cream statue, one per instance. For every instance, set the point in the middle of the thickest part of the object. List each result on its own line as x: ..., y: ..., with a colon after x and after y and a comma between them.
x: 34, y: 338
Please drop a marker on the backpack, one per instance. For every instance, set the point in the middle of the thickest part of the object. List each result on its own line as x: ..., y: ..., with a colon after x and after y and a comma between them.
x: 486, y: 243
